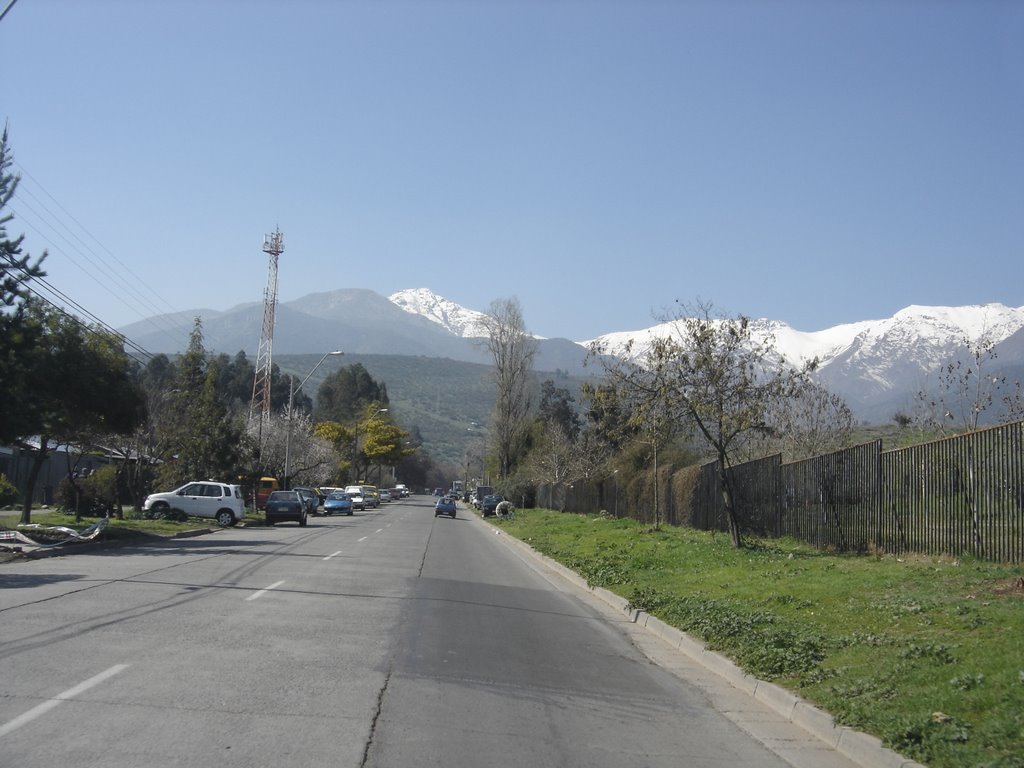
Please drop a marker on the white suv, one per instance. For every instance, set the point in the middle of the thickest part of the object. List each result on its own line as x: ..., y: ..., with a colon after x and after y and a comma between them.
x: 203, y: 498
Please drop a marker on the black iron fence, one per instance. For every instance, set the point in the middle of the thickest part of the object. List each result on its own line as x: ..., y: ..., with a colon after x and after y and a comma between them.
x: 957, y: 496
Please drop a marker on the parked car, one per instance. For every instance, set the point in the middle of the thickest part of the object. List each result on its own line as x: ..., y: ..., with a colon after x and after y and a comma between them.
x: 311, y: 497
x: 489, y: 505
x: 445, y: 506
x: 371, y: 495
x: 206, y: 498
x: 368, y: 492
x: 286, y: 505
x: 480, y: 493
x: 355, y: 493
x: 385, y: 494
x: 338, y: 503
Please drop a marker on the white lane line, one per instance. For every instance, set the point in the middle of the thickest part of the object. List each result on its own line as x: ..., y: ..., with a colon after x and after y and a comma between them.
x: 378, y: 530
x: 362, y: 539
x: 333, y: 554
x: 60, y: 698
x: 264, y: 591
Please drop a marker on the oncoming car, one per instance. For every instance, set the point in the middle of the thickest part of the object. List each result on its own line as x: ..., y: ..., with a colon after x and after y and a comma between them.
x: 445, y: 506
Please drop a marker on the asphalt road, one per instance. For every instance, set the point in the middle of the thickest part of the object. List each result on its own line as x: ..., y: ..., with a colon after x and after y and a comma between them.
x: 390, y: 639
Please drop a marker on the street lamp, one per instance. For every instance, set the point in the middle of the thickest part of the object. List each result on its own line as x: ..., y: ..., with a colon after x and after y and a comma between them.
x: 291, y: 400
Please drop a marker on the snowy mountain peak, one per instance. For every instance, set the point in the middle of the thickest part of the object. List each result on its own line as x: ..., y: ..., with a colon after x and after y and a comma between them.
x: 457, y: 320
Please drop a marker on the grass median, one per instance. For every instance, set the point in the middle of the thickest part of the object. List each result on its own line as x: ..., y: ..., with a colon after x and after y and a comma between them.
x: 925, y: 653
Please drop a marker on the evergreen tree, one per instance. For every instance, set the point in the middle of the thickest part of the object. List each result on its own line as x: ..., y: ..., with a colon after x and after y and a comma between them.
x: 206, y: 439
x: 81, y: 384
x: 345, y: 394
x: 17, y: 336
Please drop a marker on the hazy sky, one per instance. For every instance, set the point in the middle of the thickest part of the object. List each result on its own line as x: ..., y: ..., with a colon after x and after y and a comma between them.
x: 812, y: 162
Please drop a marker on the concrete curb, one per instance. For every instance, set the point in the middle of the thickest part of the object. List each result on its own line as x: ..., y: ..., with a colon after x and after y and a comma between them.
x: 861, y: 748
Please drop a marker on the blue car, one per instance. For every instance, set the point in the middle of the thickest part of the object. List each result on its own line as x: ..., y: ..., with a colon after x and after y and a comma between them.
x: 338, y: 503
x: 445, y: 506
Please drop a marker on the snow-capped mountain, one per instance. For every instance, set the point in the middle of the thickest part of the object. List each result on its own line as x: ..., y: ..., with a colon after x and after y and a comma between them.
x: 456, y: 319
x: 876, y: 365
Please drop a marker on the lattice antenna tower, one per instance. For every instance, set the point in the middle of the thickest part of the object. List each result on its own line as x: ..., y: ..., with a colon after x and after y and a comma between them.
x: 273, y: 246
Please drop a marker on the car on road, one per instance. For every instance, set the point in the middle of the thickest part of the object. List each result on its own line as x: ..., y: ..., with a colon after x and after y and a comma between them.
x: 311, y: 496
x: 338, y: 503
x: 445, y: 506
x: 286, y: 505
x: 489, y: 505
x: 218, y: 501
x: 385, y: 494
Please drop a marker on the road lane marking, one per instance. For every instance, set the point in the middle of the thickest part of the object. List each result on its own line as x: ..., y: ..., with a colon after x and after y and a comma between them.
x: 60, y: 698
x: 263, y: 591
x: 333, y: 554
x: 378, y: 530
x: 362, y: 539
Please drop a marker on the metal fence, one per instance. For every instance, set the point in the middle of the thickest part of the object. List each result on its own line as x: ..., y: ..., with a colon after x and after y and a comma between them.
x: 957, y: 496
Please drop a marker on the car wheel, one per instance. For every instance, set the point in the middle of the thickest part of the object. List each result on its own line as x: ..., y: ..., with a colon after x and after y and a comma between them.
x: 350, y: 513
x: 453, y: 515
x: 160, y: 506
x: 225, y: 518
x: 270, y: 522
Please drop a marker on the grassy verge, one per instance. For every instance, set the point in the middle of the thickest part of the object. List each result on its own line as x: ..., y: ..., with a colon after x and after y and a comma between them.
x: 117, y: 529
x: 925, y: 653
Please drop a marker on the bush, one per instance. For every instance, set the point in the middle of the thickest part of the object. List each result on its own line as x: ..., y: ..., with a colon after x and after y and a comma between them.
x: 93, y: 495
x: 8, y: 493
x: 170, y: 514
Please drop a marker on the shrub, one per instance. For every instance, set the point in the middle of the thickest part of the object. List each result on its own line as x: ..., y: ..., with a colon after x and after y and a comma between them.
x: 8, y: 493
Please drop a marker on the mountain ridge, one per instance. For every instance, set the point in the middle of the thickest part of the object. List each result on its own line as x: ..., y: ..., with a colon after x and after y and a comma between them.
x: 876, y: 365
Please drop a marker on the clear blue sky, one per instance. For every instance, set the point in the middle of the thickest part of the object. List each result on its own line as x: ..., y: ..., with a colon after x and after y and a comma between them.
x: 812, y: 162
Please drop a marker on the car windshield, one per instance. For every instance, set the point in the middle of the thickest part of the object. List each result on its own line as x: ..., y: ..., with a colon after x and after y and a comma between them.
x: 339, y: 496
x: 283, y: 495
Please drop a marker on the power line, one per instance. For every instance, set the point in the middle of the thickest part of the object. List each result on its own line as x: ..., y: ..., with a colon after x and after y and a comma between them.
x: 8, y: 8
x: 68, y: 300
x: 96, y: 263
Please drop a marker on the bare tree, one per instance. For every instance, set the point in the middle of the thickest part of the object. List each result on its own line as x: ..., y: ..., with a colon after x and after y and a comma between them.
x: 965, y: 391
x: 552, y: 460
x: 712, y: 373
x: 311, y: 458
x: 512, y: 350
x: 812, y: 422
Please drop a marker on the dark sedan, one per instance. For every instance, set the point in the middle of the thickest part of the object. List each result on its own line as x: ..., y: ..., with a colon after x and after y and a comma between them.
x: 286, y: 505
x: 489, y: 505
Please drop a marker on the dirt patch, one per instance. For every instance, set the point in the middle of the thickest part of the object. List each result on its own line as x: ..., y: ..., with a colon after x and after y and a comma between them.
x: 1010, y: 588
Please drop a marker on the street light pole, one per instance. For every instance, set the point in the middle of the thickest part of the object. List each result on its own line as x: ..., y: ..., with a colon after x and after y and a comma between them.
x: 291, y: 400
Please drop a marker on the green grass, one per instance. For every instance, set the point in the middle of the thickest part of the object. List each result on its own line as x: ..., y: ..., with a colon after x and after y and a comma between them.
x: 116, y: 529
x: 925, y: 653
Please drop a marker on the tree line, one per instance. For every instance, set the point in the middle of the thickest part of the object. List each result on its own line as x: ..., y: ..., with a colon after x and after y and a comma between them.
x: 713, y: 388
x: 71, y: 385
